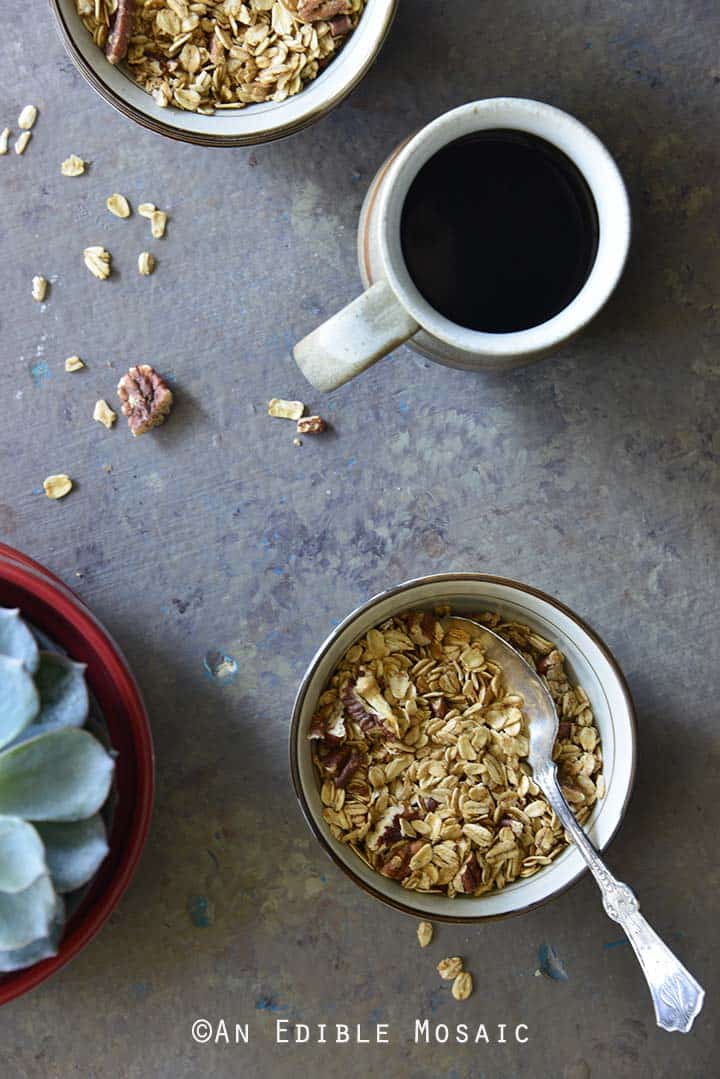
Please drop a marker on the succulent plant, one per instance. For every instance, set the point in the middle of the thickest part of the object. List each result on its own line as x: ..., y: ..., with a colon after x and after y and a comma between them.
x: 54, y: 780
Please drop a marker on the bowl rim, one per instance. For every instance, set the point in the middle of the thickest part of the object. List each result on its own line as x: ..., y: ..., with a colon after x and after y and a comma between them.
x: 23, y: 572
x: 303, y: 690
x: 202, y: 138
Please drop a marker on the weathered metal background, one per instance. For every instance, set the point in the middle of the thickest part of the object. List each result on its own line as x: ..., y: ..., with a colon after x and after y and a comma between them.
x: 594, y: 475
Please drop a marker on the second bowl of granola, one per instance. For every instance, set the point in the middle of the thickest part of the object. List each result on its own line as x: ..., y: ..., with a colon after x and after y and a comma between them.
x: 407, y: 748
x: 225, y: 73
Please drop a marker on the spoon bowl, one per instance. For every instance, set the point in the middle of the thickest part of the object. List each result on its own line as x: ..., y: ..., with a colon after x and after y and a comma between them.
x: 538, y: 705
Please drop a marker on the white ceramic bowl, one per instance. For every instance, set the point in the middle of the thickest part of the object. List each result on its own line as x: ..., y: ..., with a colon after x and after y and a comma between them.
x: 589, y: 663
x: 242, y: 127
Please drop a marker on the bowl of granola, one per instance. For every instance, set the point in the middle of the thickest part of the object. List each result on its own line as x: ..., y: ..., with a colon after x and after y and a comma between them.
x: 408, y: 749
x: 224, y: 72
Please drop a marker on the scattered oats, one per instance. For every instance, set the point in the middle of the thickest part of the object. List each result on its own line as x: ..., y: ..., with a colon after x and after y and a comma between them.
x: 22, y: 142
x: 146, y: 263
x: 462, y: 987
x: 158, y: 221
x: 73, y: 363
x: 428, y: 747
x: 4, y: 136
x: 424, y: 933
x: 39, y: 288
x: 297, y: 442
x: 285, y: 410
x: 146, y: 209
x: 27, y: 118
x: 73, y: 166
x: 118, y: 205
x: 57, y: 486
x: 222, y: 55
x: 98, y: 262
x: 104, y: 414
x: 449, y: 969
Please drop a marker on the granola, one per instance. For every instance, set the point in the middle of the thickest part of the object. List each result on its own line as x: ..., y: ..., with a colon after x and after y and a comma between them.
x: 220, y: 54
x: 98, y: 262
x: 146, y: 263
x: 27, y: 118
x: 421, y: 752
x: 462, y: 987
x: 448, y: 969
x: 39, y: 288
x: 104, y: 414
x: 73, y: 166
x: 118, y: 205
x: 424, y: 933
x: 285, y: 410
x: 57, y: 486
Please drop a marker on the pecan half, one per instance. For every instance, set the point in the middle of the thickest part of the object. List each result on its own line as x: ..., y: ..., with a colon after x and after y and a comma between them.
x: 315, y: 10
x: 146, y: 398
x: 120, y: 31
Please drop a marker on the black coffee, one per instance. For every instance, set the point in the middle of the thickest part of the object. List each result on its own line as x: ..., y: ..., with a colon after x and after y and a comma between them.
x: 499, y: 231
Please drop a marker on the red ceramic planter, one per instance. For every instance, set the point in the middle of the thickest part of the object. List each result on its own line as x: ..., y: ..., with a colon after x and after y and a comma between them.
x: 54, y: 609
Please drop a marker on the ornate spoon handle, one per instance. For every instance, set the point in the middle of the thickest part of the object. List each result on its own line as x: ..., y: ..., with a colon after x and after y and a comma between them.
x: 676, y: 996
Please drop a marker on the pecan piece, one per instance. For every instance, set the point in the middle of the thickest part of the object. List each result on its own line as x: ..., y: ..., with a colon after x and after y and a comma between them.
x: 315, y: 10
x: 120, y: 31
x: 146, y: 398
x: 317, y: 727
x: 340, y: 26
x: 311, y: 425
x: 349, y: 769
x: 470, y: 876
x: 355, y: 708
x: 332, y: 759
x: 397, y: 865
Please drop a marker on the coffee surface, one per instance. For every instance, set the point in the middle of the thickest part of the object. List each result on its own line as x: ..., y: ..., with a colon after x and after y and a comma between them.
x: 499, y: 231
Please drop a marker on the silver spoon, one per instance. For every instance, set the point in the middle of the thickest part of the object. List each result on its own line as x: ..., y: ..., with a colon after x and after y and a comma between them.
x: 676, y: 996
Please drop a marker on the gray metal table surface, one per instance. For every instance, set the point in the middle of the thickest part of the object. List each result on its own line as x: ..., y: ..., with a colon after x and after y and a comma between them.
x: 593, y: 475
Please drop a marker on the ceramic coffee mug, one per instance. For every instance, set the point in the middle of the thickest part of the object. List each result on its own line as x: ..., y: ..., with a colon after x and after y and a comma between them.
x: 393, y: 310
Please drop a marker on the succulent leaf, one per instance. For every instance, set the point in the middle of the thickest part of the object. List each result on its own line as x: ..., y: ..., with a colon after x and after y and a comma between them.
x: 16, y: 640
x: 63, y: 691
x: 42, y: 948
x: 26, y: 916
x: 62, y: 775
x: 22, y: 855
x: 19, y: 700
x: 74, y: 851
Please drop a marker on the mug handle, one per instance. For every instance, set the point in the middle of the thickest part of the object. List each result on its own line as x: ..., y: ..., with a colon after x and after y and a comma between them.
x: 355, y: 338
